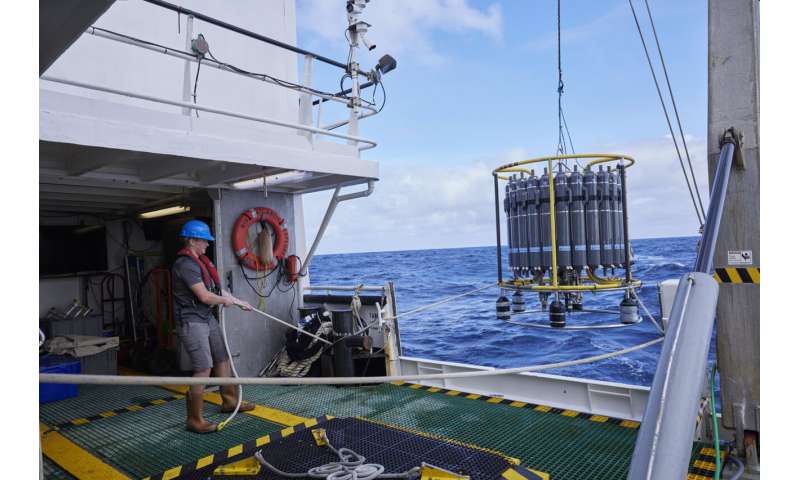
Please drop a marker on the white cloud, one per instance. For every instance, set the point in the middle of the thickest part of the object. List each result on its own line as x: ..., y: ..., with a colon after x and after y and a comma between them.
x: 444, y: 206
x: 403, y: 28
x: 582, y: 32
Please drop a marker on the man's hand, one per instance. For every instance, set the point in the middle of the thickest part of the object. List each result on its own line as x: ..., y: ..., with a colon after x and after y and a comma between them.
x: 228, y: 300
x: 242, y: 304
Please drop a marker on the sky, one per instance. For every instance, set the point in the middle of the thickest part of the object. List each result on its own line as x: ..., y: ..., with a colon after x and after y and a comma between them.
x: 475, y: 87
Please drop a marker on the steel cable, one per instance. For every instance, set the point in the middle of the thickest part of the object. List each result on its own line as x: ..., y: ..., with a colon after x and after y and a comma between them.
x: 675, y: 109
x: 666, y: 114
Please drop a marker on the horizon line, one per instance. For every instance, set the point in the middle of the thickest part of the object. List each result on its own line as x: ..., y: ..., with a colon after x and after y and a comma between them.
x: 471, y: 246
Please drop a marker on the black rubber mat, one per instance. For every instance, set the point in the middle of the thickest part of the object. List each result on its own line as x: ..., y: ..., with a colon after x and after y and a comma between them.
x: 398, y: 451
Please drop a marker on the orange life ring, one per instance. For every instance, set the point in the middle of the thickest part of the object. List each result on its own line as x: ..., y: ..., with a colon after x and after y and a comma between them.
x: 240, y: 229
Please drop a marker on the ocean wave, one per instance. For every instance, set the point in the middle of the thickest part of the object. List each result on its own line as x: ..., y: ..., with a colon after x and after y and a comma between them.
x: 467, y: 330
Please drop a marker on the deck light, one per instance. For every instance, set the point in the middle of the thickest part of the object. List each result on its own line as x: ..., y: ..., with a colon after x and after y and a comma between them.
x: 292, y: 176
x: 163, y: 212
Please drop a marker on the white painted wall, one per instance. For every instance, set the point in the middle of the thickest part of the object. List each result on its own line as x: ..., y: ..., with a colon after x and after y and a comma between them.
x: 104, y: 62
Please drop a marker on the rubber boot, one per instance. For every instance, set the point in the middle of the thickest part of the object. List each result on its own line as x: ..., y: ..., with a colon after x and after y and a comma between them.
x: 230, y: 395
x: 194, y: 415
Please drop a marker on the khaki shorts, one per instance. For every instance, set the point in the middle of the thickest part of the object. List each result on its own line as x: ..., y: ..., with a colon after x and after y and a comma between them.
x: 203, y: 343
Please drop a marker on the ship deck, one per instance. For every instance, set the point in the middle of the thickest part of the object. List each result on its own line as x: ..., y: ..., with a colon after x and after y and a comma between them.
x: 138, y: 432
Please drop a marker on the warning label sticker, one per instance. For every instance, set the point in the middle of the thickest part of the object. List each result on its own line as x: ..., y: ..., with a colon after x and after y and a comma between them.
x: 740, y: 257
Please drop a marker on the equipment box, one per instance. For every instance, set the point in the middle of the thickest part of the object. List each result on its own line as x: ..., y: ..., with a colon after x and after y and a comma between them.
x: 103, y: 363
x: 50, y: 392
x: 91, y: 325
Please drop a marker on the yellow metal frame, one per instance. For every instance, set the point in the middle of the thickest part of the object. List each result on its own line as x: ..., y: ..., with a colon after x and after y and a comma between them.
x: 596, y: 159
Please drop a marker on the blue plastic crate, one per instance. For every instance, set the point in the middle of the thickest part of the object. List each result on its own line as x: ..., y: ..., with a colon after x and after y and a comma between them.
x: 50, y: 392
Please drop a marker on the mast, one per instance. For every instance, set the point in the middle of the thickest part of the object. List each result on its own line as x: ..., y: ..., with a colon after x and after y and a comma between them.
x: 733, y: 102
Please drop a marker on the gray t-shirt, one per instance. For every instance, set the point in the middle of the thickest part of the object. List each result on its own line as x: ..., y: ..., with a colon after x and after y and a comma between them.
x: 185, y: 273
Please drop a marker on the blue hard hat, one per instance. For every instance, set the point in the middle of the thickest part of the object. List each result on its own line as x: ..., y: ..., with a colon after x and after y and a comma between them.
x: 196, y: 229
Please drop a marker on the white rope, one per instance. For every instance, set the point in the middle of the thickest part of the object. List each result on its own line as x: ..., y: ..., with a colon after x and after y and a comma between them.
x: 436, y: 304
x: 294, y: 327
x: 649, y: 315
x: 132, y: 380
x: 381, y: 319
x: 222, y: 424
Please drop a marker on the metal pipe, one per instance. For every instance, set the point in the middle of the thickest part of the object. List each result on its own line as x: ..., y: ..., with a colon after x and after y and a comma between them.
x: 497, y: 228
x: 187, y: 67
x: 247, y: 33
x: 108, y: 35
x: 333, y: 126
x: 664, y: 444
x: 708, y: 243
x: 335, y: 199
x: 342, y: 355
x: 553, y: 247
x: 487, y: 372
x: 360, y: 288
x: 202, y: 108
x: 344, y: 93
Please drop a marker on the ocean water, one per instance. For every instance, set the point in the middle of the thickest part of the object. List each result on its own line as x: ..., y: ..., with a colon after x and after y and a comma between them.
x: 467, y: 330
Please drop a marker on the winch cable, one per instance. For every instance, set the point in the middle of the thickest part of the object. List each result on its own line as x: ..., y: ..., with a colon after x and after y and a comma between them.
x: 83, y: 379
x: 675, y: 109
x: 561, y: 150
x: 440, y: 302
x: 700, y: 218
x: 569, y: 137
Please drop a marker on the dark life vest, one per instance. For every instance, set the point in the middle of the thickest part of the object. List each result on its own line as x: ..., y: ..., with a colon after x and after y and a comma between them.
x: 207, y: 269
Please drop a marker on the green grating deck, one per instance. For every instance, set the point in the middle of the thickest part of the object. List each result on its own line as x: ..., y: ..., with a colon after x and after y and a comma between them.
x: 565, y: 444
x: 53, y: 471
x: 146, y: 441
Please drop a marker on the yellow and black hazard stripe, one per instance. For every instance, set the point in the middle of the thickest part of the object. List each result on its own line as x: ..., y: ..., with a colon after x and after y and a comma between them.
x: 704, y: 466
x: 515, y: 472
x: 519, y: 473
x: 74, y: 459
x: 208, y: 463
x: 76, y: 422
x: 511, y: 403
x: 738, y: 275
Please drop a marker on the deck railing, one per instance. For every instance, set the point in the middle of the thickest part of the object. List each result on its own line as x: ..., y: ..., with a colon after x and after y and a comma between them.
x: 310, y: 98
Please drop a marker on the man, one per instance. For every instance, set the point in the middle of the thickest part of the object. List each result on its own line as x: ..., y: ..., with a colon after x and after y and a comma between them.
x: 196, y: 291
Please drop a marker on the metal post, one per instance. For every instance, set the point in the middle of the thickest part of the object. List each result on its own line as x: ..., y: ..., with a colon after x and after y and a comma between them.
x: 553, y: 247
x: 733, y: 101
x: 497, y: 229
x: 335, y: 199
x: 305, y: 99
x: 187, y: 68
x: 626, y: 240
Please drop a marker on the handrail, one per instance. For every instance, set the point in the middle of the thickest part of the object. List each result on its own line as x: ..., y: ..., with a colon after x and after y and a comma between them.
x: 360, y: 288
x: 335, y: 199
x: 248, y: 33
x: 182, y: 55
x: 194, y: 106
